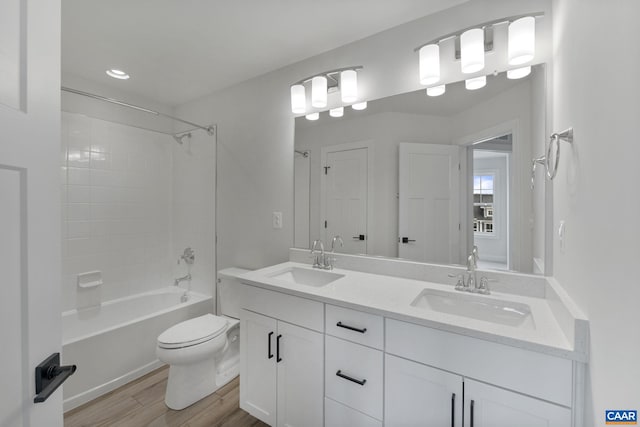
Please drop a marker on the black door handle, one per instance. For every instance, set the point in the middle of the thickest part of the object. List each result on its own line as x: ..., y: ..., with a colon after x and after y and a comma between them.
x: 359, y: 237
x: 270, y: 354
x: 351, y: 328
x: 49, y: 376
x: 347, y: 377
x: 472, y: 405
x: 278, y: 358
x: 407, y: 240
x: 453, y: 410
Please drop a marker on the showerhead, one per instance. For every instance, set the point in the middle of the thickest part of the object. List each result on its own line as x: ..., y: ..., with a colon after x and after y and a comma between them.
x: 180, y: 138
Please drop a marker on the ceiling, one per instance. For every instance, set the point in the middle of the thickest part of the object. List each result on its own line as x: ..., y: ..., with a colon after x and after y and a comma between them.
x: 180, y: 50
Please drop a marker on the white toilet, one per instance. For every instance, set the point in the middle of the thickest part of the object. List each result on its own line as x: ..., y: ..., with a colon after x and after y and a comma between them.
x: 203, y: 353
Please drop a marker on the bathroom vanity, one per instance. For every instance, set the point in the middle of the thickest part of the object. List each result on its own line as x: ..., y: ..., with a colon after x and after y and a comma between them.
x: 348, y: 347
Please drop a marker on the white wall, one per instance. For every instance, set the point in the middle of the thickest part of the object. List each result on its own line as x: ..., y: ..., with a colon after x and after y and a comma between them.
x: 595, y: 90
x: 116, y: 194
x: 256, y: 130
x: 384, y: 131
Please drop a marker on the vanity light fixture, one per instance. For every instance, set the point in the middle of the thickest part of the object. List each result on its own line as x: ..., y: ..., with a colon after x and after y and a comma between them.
x: 429, y: 64
x: 336, y: 112
x: 360, y: 106
x: 344, y: 80
x: 436, y: 90
x: 117, y: 74
x: 471, y: 43
x: 475, y: 83
x: 472, y: 50
x: 312, y: 116
x: 319, y: 91
x: 518, y: 73
x: 522, y: 40
x: 298, y: 99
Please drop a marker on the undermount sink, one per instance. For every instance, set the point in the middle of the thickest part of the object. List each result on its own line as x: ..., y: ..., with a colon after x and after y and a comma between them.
x: 476, y: 307
x: 306, y: 276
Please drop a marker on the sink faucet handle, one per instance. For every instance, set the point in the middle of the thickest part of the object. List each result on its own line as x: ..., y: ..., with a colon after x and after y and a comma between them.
x: 460, y: 281
x: 483, y: 286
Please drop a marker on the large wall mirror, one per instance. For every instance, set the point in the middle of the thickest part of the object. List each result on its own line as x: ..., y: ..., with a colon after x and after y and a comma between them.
x: 428, y: 178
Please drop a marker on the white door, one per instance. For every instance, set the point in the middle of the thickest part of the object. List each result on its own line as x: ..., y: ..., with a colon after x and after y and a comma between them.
x: 429, y: 214
x: 29, y: 206
x: 300, y: 376
x: 258, y: 366
x: 418, y: 395
x: 487, y: 406
x: 345, y: 199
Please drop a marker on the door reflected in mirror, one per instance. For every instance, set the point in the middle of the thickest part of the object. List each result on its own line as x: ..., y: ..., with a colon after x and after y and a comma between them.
x: 427, y: 178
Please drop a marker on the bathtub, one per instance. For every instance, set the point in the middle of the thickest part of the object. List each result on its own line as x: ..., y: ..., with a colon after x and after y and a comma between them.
x: 116, y: 342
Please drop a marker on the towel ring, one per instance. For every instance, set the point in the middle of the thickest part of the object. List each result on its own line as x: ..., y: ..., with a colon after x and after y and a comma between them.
x: 566, y: 135
x: 542, y: 160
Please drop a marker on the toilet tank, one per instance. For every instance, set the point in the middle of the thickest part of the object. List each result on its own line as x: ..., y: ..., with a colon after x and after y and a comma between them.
x: 229, y: 292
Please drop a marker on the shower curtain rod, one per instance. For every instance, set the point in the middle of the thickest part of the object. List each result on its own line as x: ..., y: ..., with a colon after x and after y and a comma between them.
x: 210, y: 129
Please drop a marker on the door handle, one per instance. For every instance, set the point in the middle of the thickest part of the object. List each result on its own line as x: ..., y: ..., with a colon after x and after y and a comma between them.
x: 359, y: 237
x: 472, y: 417
x: 407, y: 240
x: 270, y: 354
x: 278, y: 358
x: 453, y: 409
x: 49, y: 376
x: 348, y: 378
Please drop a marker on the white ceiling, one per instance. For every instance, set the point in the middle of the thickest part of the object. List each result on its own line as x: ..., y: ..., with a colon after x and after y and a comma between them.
x: 179, y: 50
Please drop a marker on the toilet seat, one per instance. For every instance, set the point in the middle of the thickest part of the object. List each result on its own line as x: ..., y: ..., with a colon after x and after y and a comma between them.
x: 192, y: 332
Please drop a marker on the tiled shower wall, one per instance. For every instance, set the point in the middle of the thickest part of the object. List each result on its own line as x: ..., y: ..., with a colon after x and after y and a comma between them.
x: 117, y: 209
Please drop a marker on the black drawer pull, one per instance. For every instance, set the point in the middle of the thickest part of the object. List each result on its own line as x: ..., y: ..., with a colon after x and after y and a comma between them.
x: 278, y: 358
x: 351, y: 328
x: 346, y: 377
x: 270, y: 353
x: 453, y: 409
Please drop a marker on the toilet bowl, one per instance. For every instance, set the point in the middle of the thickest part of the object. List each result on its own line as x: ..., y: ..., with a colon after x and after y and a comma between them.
x: 203, y: 355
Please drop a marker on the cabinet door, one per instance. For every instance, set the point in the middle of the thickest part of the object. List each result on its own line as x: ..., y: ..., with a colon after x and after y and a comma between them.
x: 300, y: 353
x: 487, y: 406
x: 258, y: 366
x: 418, y: 395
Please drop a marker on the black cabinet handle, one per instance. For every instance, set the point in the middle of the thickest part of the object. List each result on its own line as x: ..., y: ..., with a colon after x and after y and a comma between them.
x: 351, y: 328
x: 347, y: 377
x: 270, y: 354
x: 472, y: 405
x: 453, y: 410
x: 49, y: 376
x: 278, y: 358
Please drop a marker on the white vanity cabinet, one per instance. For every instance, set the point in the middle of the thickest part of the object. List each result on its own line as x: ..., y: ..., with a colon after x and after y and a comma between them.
x: 281, y: 381
x: 419, y: 395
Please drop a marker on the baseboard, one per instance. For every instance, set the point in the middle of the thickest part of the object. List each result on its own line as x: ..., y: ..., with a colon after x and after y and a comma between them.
x: 84, y: 397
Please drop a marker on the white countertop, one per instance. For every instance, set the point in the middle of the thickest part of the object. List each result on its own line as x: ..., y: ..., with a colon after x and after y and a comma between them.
x: 392, y: 297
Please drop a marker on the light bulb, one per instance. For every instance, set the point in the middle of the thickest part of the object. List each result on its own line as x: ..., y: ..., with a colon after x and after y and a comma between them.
x: 360, y: 106
x: 312, y: 116
x: 349, y: 86
x: 319, y: 91
x: 436, y: 90
x: 518, y: 73
x: 336, y: 112
x: 298, y: 100
x: 429, y: 64
x: 522, y: 40
x: 472, y: 50
x: 475, y: 83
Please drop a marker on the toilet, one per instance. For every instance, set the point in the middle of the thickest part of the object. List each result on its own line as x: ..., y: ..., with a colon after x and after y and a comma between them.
x: 203, y: 353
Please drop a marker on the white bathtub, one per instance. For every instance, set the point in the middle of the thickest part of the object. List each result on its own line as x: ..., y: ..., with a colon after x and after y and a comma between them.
x: 116, y: 342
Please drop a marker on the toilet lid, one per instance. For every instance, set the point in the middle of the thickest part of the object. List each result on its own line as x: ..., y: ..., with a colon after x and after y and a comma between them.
x: 193, y: 331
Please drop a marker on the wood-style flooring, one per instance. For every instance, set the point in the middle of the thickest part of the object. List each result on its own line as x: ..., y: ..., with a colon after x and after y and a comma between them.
x: 141, y: 403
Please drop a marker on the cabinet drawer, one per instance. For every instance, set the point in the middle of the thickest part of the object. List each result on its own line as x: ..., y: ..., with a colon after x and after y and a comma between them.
x: 353, y: 325
x: 536, y: 374
x: 338, y: 415
x: 353, y: 375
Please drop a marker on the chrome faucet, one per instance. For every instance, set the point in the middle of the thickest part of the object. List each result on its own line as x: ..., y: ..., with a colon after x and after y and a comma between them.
x: 319, y: 256
x: 189, y: 257
x: 471, y: 284
x: 330, y: 260
x: 177, y: 281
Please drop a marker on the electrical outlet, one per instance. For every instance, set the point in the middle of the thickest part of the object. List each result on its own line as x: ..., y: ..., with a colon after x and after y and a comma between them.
x: 277, y: 220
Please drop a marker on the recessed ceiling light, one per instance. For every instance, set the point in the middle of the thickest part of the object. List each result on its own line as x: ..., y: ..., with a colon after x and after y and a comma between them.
x: 117, y: 74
